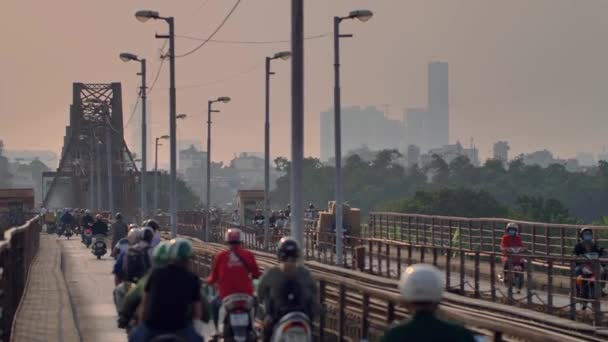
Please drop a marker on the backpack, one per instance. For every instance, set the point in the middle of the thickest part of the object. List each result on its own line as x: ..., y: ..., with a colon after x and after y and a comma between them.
x: 136, y: 263
x: 289, y: 298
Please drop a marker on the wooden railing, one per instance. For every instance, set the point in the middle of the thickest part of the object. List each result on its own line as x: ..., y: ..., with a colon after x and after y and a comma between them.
x: 17, y: 250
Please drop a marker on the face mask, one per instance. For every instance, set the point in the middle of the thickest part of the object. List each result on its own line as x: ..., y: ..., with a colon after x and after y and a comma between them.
x: 587, y: 237
x: 512, y: 232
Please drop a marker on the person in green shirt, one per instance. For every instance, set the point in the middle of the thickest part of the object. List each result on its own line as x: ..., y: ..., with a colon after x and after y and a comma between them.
x: 421, y: 287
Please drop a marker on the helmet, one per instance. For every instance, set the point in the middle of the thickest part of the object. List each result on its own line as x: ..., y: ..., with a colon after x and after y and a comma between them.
x: 134, y: 236
x: 311, y: 206
x: 152, y: 224
x: 133, y: 226
x: 233, y: 235
x: 118, y: 216
x: 288, y: 248
x: 161, y: 253
x: 181, y: 249
x: 98, y: 217
x: 583, y: 230
x: 147, y: 234
x: 88, y: 212
x: 421, y: 283
x: 512, y: 225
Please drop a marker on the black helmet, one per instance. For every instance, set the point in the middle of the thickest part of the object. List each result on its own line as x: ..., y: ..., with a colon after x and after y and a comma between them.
x: 152, y: 224
x: 148, y: 235
x: 288, y: 248
x: 118, y: 216
x: 584, y: 229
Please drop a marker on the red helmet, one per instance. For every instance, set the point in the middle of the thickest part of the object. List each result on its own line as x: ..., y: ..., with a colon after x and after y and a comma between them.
x: 233, y: 235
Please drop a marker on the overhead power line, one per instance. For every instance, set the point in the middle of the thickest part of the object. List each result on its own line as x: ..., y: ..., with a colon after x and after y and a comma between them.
x: 227, y: 78
x: 250, y: 42
x: 236, y: 4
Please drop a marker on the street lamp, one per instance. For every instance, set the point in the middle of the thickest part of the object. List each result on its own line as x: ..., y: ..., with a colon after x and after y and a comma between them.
x: 284, y: 55
x: 362, y: 15
x: 128, y: 57
x: 224, y: 99
x: 181, y: 116
x: 162, y: 137
x: 143, y: 16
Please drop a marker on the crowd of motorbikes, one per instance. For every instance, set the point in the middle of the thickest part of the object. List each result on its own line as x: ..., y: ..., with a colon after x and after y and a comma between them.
x: 97, y: 243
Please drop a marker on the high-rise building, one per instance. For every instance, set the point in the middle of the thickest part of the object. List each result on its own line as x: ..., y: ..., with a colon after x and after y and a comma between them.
x: 501, y: 150
x: 360, y: 127
x: 429, y: 128
x: 438, y: 104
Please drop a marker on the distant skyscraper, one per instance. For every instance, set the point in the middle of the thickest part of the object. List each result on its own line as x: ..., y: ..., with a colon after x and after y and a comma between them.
x: 501, y: 150
x: 360, y: 127
x: 429, y: 128
x: 439, y: 104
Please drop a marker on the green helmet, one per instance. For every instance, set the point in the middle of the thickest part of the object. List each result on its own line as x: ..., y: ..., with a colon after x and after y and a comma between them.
x: 161, y: 254
x: 181, y: 249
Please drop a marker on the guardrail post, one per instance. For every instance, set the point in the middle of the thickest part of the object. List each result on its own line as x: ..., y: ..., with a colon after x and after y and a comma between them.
x: 529, y: 282
x: 409, y: 254
x: 550, y: 286
x: 409, y: 229
x: 493, y: 277
x: 379, y: 257
x: 470, y: 228
x: 417, y: 229
x: 432, y: 230
x: 390, y: 312
x: 435, y: 251
x: 597, y: 293
x: 572, y: 290
x: 477, y: 295
x: 323, y: 315
x: 388, y: 260
x: 493, y: 236
x: 547, y: 242
x: 480, y: 235
x: 341, y: 312
x: 398, y: 261
x: 422, y: 253
x: 510, y: 274
x: 498, y: 336
x: 450, y: 233
x: 462, y: 271
x: 562, y: 238
x: 533, y: 239
x: 448, y: 268
x: 364, y: 318
x: 370, y: 256
x: 400, y: 228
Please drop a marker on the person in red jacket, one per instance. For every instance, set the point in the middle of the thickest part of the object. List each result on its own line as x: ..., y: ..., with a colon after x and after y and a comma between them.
x: 510, y: 239
x: 232, y: 271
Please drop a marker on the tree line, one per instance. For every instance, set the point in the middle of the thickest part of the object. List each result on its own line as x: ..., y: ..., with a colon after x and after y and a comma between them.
x: 495, y: 189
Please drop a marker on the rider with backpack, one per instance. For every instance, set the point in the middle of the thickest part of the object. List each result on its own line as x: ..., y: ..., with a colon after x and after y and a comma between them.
x: 287, y: 287
x: 232, y: 271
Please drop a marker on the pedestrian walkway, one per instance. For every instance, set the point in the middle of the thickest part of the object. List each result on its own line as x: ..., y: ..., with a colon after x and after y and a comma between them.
x: 45, y: 313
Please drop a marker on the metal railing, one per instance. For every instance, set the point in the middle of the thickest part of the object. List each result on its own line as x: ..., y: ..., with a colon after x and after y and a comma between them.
x: 477, y: 234
x: 17, y: 251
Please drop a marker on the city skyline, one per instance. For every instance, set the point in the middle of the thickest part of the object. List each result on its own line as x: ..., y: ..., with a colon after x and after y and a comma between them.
x: 536, y: 84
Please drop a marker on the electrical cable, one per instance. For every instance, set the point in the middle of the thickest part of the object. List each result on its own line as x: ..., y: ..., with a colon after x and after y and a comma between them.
x: 251, y: 42
x: 236, y: 4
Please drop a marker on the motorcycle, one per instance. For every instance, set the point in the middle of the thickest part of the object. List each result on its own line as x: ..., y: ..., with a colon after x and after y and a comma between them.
x: 259, y: 230
x: 516, y: 265
x: 87, y: 237
x: 586, y: 281
x: 50, y: 228
x: 236, y: 321
x: 294, y: 326
x: 98, y: 247
x: 60, y: 230
x: 77, y: 230
x: 68, y: 232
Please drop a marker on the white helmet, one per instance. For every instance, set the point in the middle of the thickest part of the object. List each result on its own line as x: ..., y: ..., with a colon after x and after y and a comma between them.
x: 421, y: 283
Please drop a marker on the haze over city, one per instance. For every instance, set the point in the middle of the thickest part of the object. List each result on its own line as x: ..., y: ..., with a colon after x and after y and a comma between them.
x: 530, y: 72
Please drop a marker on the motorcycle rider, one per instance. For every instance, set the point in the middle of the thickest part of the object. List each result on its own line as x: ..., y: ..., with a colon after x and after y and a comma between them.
x: 421, y: 287
x: 127, y: 313
x: 172, y: 298
x: 510, y: 239
x: 99, y: 226
x: 67, y: 219
x: 288, y: 210
x: 155, y: 229
x: 122, y: 244
x: 119, y: 229
x: 278, y: 284
x: 259, y: 217
x: 233, y: 270
x: 587, y: 244
x: 86, y: 222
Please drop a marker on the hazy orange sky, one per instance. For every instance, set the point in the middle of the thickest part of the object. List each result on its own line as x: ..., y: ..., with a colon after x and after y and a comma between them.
x: 533, y: 72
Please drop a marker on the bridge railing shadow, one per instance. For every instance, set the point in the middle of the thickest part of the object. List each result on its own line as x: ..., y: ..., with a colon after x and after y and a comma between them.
x: 18, y: 246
